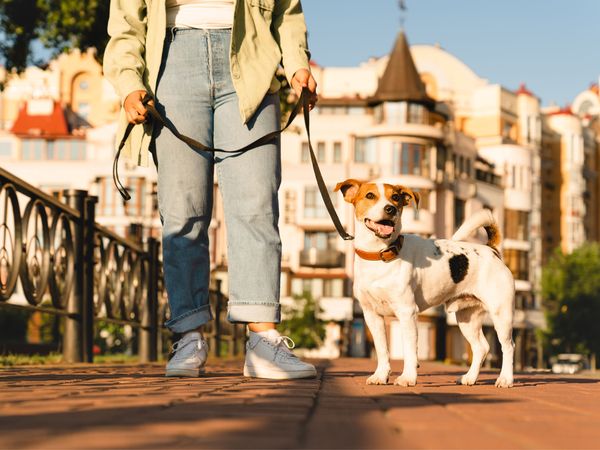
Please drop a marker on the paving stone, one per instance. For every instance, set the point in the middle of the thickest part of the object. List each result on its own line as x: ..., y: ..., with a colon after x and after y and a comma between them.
x: 135, y: 406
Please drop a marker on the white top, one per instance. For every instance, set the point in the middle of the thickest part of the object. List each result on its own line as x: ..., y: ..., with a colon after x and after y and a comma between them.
x: 211, y: 14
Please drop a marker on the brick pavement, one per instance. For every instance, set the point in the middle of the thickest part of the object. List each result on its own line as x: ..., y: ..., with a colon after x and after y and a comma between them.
x: 134, y: 406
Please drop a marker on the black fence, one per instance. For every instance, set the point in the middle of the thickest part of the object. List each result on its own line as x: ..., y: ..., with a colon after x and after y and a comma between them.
x: 71, y: 266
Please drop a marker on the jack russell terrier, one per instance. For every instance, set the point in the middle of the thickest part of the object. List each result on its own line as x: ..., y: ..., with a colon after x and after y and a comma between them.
x: 401, y: 275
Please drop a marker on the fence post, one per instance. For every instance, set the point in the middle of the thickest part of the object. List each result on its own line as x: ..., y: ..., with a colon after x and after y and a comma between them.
x: 148, y: 340
x: 74, y: 327
x: 218, y: 320
x: 88, y: 278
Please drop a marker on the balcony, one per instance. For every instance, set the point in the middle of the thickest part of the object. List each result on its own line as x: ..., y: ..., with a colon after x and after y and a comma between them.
x: 328, y: 259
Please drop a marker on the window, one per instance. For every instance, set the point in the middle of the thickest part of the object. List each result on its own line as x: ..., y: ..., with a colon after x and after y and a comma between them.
x: 410, y: 159
x: 314, y: 207
x: 337, y: 152
x: 459, y: 212
x: 365, y: 150
x: 518, y: 263
x: 83, y: 109
x: 305, y: 153
x: 516, y: 224
x: 417, y: 113
x: 442, y: 154
x: 321, y: 240
x: 32, y: 149
x: 321, y: 151
x: 318, y: 287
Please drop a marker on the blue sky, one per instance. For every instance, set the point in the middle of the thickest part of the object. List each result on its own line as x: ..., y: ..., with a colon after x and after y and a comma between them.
x: 552, y: 45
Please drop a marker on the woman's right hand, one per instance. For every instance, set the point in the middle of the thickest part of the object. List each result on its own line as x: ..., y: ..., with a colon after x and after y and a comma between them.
x: 134, y: 108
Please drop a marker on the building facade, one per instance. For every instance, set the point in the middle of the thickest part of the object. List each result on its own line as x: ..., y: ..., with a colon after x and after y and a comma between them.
x: 417, y: 117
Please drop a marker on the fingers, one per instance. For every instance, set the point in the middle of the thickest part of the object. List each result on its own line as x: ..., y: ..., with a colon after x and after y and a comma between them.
x: 134, y: 108
x: 304, y: 79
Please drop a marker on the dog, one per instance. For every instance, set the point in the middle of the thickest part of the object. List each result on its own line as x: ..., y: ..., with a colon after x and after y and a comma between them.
x: 401, y: 275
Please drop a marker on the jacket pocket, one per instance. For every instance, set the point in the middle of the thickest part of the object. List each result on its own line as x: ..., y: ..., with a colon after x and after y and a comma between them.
x: 262, y: 10
x: 266, y: 5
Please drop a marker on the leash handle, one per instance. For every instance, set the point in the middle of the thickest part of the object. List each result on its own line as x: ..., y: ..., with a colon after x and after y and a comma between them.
x: 302, y: 103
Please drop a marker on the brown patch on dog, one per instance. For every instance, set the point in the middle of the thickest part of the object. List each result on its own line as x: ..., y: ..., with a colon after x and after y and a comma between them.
x: 494, y: 236
x: 362, y: 202
x: 406, y: 194
x: 349, y: 189
x: 361, y: 195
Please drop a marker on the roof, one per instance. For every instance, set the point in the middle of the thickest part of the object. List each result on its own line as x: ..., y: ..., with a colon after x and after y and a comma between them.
x: 523, y: 90
x: 401, y: 80
x: 41, y: 118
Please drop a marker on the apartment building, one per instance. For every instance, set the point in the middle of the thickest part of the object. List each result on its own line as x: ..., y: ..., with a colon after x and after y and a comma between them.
x: 419, y: 117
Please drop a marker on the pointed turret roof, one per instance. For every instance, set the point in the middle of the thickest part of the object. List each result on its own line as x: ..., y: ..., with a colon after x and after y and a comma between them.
x: 400, y: 80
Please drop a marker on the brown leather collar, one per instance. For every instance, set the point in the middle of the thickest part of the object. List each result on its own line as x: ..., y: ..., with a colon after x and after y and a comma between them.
x: 385, y: 255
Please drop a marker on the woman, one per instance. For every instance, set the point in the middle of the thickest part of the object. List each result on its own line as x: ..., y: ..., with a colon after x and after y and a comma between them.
x: 211, y: 66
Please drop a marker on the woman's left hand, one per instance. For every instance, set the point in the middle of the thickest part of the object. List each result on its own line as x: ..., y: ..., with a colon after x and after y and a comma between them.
x: 301, y: 79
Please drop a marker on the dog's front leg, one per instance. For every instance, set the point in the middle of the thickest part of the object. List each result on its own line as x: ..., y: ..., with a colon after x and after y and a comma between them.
x: 376, y: 325
x: 407, y: 315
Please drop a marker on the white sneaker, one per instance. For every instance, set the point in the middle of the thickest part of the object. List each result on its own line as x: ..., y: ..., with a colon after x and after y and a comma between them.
x: 190, y: 353
x: 268, y: 355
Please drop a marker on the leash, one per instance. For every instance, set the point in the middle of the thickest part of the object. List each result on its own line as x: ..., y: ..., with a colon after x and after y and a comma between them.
x: 303, y: 103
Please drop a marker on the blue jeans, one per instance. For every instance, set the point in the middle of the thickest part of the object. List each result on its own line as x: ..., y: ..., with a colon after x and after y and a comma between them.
x: 196, y: 94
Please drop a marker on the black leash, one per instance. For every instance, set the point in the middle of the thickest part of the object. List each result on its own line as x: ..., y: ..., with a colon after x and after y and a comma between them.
x: 303, y: 103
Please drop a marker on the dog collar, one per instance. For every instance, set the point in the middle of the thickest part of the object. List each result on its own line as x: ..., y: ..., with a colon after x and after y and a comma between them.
x: 386, y: 255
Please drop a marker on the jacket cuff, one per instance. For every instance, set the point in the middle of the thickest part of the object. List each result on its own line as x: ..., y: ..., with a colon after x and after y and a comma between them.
x: 293, y: 63
x: 129, y: 81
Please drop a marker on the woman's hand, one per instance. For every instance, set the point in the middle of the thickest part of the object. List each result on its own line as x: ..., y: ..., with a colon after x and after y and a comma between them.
x: 134, y: 108
x: 303, y: 78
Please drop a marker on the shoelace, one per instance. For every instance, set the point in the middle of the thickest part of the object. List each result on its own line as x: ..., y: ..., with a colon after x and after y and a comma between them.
x: 177, y: 345
x: 286, y: 344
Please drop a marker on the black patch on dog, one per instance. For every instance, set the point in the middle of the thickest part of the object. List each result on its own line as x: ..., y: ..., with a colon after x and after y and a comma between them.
x: 459, y: 266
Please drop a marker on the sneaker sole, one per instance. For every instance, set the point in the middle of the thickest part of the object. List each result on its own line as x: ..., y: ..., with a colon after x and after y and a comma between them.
x: 192, y: 373
x: 255, y: 372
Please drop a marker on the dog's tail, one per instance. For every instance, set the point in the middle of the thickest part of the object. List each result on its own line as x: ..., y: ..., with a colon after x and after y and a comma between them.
x: 485, y: 219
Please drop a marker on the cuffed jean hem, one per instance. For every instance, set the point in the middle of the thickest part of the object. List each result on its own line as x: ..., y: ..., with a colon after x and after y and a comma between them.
x: 254, y: 312
x: 190, y: 320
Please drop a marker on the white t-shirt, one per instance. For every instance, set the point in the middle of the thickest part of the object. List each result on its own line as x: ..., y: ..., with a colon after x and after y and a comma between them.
x: 212, y: 14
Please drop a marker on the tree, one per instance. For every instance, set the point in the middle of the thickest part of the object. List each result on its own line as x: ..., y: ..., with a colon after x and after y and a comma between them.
x: 571, y: 292
x: 302, y: 323
x: 59, y: 25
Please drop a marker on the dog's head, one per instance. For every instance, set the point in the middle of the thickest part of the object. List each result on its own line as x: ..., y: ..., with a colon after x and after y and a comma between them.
x: 378, y: 206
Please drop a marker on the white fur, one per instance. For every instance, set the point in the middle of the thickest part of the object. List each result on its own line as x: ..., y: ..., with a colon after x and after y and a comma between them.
x: 419, y: 279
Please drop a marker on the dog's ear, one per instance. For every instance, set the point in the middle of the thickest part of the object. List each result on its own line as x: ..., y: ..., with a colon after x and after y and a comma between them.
x: 349, y: 188
x: 407, y: 194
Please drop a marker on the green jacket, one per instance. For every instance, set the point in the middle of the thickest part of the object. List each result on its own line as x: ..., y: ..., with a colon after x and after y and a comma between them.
x: 265, y: 33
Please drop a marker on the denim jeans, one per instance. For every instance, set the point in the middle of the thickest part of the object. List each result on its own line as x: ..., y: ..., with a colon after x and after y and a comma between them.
x: 195, y: 92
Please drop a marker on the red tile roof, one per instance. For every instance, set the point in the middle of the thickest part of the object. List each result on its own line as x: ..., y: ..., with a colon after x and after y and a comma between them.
x: 523, y: 90
x: 34, y: 123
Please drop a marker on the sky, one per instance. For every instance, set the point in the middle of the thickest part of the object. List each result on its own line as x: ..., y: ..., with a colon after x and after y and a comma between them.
x: 551, y: 45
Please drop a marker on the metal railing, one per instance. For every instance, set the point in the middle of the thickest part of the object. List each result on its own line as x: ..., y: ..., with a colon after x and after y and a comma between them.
x: 70, y: 265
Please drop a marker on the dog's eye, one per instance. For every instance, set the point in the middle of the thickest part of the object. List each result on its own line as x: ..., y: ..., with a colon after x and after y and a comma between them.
x: 396, y: 197
x: 370, y: 196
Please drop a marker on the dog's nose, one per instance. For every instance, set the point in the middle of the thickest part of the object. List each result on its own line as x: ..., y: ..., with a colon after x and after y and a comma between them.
x: 390, y: 209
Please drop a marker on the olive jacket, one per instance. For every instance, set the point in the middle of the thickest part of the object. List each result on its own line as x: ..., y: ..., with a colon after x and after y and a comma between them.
x: 265, y: 33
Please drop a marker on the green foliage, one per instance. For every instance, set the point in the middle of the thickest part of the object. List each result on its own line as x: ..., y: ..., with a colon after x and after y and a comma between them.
x: 571, y: 292
x: 59, y: 25
x: 302, y: 324
x: 29, y: 360
x: 110, y: 338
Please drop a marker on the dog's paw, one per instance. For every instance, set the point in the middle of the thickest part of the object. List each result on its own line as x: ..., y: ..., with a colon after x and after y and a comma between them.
x: 378, y: 379
x: 405, y: 381
x: 466, y: 380
x: 504, y: 382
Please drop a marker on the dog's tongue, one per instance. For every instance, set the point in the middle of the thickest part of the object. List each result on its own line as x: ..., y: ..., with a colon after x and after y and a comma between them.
x: 379, y: 228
